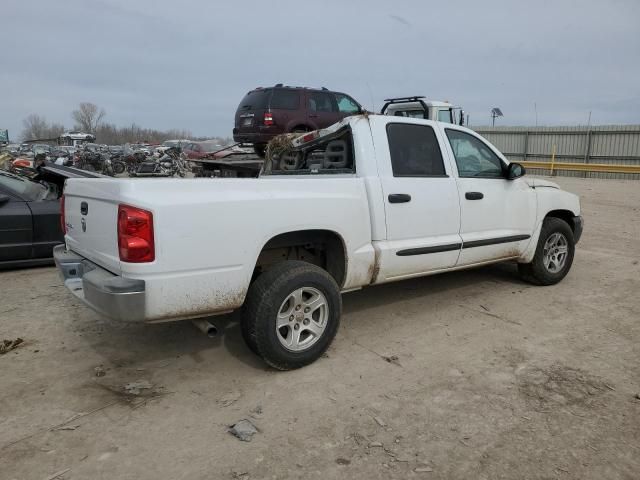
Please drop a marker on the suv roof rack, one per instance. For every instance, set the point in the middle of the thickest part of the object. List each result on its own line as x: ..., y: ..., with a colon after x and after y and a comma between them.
x: 403, y: 99
x: 390, y: 101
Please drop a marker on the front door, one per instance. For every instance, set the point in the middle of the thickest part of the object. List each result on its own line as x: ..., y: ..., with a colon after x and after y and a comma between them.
x: 421, y: 201
x: 498, y: 215
x: 322, y: 109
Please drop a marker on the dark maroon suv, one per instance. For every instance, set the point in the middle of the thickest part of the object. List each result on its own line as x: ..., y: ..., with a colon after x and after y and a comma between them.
x: 266, y: 112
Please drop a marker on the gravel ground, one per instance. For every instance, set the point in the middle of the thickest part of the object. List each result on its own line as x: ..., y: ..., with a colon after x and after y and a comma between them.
x: 464, y: 375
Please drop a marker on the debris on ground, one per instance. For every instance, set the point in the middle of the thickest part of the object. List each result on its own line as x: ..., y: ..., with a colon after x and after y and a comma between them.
x: 242, y: 475
x: 229, y: 399
x: 99, y: 371
x: 380, y: 422
x: 8, y: 345
x: 256, y: 412
x: 244, y: 430
x: 343, y: 461
x: 637, y: 396
x: 423, y: 469
x: 68, y: 427
x: 134, y: 388
x: 57, y: 474
x: 375, y: 445
x: 392, y: 359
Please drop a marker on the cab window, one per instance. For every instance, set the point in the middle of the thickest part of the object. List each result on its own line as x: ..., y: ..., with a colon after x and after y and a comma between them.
x: 473, y: 157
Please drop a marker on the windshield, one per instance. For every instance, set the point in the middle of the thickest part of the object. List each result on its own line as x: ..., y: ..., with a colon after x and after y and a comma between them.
x: 23, y: 187
x: 211, y: 147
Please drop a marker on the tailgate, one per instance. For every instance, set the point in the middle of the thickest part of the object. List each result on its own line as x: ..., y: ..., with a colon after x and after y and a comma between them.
x: 91, y: 213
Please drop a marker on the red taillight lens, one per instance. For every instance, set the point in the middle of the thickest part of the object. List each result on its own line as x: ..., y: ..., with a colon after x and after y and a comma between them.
x: 135, y: 235
x: 63, y: 223
x: 310, y: 136
x: 268, y: 119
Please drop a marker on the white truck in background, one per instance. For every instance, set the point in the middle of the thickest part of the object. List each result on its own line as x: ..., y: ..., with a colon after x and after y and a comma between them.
x: 369, y: 200
x: 419, y: 107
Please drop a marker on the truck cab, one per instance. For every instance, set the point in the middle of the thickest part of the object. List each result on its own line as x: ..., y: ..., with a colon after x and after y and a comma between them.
x: 418, y: 107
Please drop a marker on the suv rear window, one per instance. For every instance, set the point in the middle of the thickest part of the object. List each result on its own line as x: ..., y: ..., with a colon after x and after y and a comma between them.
x: 284, y: 99
x: 255, y: 100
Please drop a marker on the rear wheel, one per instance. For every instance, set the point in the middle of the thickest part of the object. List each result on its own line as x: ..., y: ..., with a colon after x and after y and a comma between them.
x: 554, y: 254
x: 291, y: 314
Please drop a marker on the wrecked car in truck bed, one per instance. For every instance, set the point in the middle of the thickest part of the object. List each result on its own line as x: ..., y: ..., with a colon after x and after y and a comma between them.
x: 369, y: 200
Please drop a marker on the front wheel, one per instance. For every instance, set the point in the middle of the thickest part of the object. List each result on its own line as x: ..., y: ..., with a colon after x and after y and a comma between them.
x: 291, y: 314
x: 554, y: 254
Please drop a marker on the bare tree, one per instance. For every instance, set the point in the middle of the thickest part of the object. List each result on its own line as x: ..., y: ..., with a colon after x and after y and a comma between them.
x: 35, y: 127
x: 88, y: 117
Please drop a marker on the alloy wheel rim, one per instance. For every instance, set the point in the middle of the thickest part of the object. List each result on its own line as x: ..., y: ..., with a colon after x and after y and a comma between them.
x: 302, y: 319
x: 555, y: 252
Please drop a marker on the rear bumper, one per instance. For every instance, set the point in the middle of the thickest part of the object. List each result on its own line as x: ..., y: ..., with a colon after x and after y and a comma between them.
x: 260, y: 137
x: 111, y: 295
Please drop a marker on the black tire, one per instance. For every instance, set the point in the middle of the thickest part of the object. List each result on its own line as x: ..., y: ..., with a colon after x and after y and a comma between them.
x: 300, y: 130
x: 260, y: 149
x: 119, y: 167
x: 264, y: 300
x: 536, y: 272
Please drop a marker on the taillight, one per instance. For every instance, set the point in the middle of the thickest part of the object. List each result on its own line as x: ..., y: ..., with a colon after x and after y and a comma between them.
x: 310, y: 136
x: 268, y: 119
x: 135, y: 235
x: 63, y: 223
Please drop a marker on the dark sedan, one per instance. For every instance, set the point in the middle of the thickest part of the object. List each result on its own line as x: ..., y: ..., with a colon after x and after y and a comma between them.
x: 30, y: 216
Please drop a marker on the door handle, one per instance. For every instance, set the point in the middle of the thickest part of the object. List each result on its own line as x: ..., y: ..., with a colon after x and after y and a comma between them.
x: 399, y: 198
x: 313, y: 116
x: 474, y: 196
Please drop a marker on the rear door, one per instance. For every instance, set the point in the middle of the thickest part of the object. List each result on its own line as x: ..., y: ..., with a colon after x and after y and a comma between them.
x: 322, y: 109
x: 422, y: 208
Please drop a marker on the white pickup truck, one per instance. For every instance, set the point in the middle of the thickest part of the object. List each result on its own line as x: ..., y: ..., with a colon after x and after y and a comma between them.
x: 369, y: 200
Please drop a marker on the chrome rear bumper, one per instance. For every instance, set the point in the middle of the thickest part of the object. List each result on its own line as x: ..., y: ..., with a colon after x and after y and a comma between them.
x: 111, y: 295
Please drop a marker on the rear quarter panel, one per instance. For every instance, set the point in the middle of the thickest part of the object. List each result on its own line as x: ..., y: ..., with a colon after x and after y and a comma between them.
x: 209, y: 233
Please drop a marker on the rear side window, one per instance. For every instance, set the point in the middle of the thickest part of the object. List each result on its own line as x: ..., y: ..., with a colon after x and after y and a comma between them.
x: 255, y: 100
x: 285, y: 99
x: 414, y: 151
x: 322, y: 102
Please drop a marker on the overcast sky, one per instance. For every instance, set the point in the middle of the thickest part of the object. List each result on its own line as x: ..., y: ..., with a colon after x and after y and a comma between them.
x: 186, y: 64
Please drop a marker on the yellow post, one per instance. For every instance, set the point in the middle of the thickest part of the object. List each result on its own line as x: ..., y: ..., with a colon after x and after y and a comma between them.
x: 553, y: 158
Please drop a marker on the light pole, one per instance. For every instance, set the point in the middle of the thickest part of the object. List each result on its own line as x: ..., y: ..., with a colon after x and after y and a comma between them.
x: 495, y: 112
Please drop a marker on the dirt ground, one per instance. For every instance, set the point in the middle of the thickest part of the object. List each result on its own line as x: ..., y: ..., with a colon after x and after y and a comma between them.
x: 468, y: 375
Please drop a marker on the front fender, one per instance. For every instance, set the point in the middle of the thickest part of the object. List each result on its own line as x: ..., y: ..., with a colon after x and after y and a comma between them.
x: 549, y: 199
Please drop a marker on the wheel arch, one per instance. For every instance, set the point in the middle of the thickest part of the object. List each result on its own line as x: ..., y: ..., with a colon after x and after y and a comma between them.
x: 563, y: 214
x: 322, y: 247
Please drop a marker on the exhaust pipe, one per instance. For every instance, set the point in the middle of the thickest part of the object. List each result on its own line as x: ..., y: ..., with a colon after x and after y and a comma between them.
x: 206, y: 327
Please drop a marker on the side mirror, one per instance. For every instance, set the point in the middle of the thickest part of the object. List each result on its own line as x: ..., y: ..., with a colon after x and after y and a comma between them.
x: 515, y: 170
x: 4, y: 199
